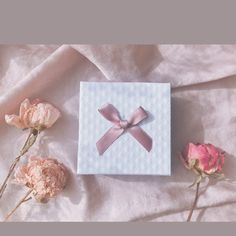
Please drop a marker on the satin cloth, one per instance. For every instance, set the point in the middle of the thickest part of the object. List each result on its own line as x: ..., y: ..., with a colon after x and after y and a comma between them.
x: 203, y: 80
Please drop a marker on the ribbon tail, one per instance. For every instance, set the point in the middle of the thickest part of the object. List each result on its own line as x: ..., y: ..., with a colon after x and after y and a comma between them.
x: 108, y: 138
x: 142, y: 137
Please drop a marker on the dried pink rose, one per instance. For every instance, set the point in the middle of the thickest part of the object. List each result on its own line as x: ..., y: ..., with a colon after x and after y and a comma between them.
x: 36, y: 114
x: 45, y: 176
x: 203, y: 159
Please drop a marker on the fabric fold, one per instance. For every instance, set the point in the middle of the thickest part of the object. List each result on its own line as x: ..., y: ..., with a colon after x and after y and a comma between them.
x: 39, y: 78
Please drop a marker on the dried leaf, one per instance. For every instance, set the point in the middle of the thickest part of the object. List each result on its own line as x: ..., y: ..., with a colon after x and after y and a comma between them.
x: 197, y: 180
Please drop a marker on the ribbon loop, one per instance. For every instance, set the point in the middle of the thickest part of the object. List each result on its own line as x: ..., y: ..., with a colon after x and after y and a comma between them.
x: 110, y: 113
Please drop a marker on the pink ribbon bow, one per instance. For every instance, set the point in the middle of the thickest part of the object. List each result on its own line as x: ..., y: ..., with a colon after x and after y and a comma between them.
x: 120, y: 126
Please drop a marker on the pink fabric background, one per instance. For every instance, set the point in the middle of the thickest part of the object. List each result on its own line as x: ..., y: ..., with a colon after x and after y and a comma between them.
x: 203, y: 79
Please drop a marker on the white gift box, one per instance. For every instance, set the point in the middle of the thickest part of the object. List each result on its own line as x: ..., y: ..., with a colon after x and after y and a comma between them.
x: 125, y: 156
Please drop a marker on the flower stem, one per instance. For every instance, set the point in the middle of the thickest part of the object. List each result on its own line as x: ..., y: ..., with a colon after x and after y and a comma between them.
x: 194, y: 203
x: 24, y: 199
x: 28, y: 143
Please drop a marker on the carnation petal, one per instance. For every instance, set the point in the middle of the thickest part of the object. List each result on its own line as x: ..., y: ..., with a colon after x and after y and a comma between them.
x: 14, y: 120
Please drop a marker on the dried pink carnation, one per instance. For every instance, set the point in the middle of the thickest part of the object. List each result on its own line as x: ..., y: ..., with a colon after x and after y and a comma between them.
x: 204, y: 159
x: 45, y: 176
x: 38, y: 115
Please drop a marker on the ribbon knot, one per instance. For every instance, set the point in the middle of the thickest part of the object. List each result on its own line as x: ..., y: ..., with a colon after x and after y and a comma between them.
x: 130, y: 125
x: 124, y: 124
